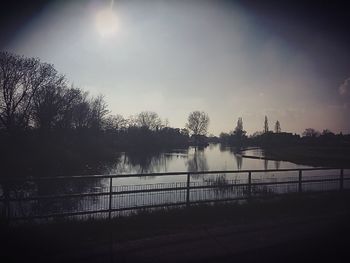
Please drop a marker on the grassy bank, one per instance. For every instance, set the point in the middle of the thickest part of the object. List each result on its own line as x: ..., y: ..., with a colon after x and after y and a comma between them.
x: 325, y: 156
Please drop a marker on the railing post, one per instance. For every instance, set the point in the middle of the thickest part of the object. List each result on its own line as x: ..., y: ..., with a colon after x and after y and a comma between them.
x: 188, y: 190
x: 249, y: 184
x: 110, y: 198
x: 300, y: 189
x: 110, y: 219
x: 341, y: 182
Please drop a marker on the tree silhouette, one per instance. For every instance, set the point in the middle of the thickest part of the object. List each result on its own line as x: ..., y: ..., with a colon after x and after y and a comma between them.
x: 47, y: 107
x: 198, y: 122
x: 266, y: 125
x: 310, y: 132
x: 115, y: 122
x: 149, y: 120
x: 239, y: 132
x: 98, y: 110
x: 277, y: 127
x: 20, y: 79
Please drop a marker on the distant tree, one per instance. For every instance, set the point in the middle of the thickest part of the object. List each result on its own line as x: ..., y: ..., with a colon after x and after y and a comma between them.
x: 256, y: 134
x: 115, y: 122
x: 310, y: 132
x: 165, y: 123
x: 198, y: 122
x: 20, y: 79
x: 224, y: 137
x: 85, y: 112
x: 266, y: 125
x: 98, y: 110
x: 184, y: 132
x: 277, y: 127
x: 327, y: 132
x: 79, y: 111
x: 149, y: 120
x: 239, y: 132
x: 70, y: 99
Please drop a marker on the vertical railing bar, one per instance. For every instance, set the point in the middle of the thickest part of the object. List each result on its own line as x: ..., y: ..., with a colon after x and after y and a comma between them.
x: 249, y: 184
x: 188, y: 190
x: 341, y: 182
x: 110, y: 220
x: 300, y: 182
x: 110, y: 198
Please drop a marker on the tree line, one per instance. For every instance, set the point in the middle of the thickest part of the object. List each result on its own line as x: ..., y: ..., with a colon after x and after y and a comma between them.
x: 35, y: 96
x: 44, y: 118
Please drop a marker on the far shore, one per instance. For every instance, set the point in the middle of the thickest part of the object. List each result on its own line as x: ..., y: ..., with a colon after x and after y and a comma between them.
x: 318, y: 156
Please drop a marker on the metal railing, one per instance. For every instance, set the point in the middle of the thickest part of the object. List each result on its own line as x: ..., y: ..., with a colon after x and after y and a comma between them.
x: 102, y: 195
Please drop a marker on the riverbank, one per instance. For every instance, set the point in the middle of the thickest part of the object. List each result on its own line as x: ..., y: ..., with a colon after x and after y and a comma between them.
x: 313, y: 155
x: 196, y: 234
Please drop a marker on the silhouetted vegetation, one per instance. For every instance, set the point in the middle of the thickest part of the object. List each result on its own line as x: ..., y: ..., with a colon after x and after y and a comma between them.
x: 48, y: 126
x: 197, y: 124
x: 237, y: 137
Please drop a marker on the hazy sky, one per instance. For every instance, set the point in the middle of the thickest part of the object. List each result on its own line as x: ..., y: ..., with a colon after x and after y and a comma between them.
x: 229, y: 59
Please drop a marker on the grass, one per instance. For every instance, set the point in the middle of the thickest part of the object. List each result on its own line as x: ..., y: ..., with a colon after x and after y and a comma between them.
x: 63, y: 236
x: 326, y: 156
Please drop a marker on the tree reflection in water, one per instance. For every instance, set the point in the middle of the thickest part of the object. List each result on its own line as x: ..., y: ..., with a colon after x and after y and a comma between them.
x: 143, y: 163
x: 197, y: 162
x: 238, y: 156
x: 266, y: 164
x: 277, y: 164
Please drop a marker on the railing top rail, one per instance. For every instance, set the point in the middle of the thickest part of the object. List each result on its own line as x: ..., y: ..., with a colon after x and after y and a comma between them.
x: 108, y: 176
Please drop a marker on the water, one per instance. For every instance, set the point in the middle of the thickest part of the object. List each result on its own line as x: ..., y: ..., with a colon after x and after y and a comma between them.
x: 215, y: 157
x: 212, y: 158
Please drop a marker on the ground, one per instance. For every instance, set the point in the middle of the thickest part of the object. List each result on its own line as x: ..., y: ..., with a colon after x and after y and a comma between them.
x: 292, y: 228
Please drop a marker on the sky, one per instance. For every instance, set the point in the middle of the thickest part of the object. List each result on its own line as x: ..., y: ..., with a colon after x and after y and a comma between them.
x: 287, y: 60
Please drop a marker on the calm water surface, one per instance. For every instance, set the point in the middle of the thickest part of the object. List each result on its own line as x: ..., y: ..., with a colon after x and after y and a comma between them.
x: 213, y: 157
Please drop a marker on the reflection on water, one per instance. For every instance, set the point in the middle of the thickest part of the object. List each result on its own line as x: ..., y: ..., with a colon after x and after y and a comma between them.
x: 197, y: 161
x: 213, y: 157
x: 266, y: 164
x: 277, y: 165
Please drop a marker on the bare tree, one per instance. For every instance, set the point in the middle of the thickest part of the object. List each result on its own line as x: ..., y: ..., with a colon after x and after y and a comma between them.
x: 68, y: 117
x: 115, y: 122
x: 81, y: 112
x: 149, y: 120
x: 98, y: 110
x: 198, y: 122
x: 20, y: 79
x: 48, y: 104
x: 277, y: 127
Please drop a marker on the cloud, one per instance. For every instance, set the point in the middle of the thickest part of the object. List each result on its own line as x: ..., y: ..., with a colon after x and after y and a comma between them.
x: 344, y: 88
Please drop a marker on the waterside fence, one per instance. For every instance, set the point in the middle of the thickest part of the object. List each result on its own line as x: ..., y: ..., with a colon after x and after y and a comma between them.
x: 107, y: 196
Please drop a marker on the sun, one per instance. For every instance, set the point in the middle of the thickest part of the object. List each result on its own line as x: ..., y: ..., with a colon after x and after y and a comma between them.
x: 106, y: 22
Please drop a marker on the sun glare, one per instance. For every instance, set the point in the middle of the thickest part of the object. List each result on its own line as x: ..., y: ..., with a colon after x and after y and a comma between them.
x: 106, y: 22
